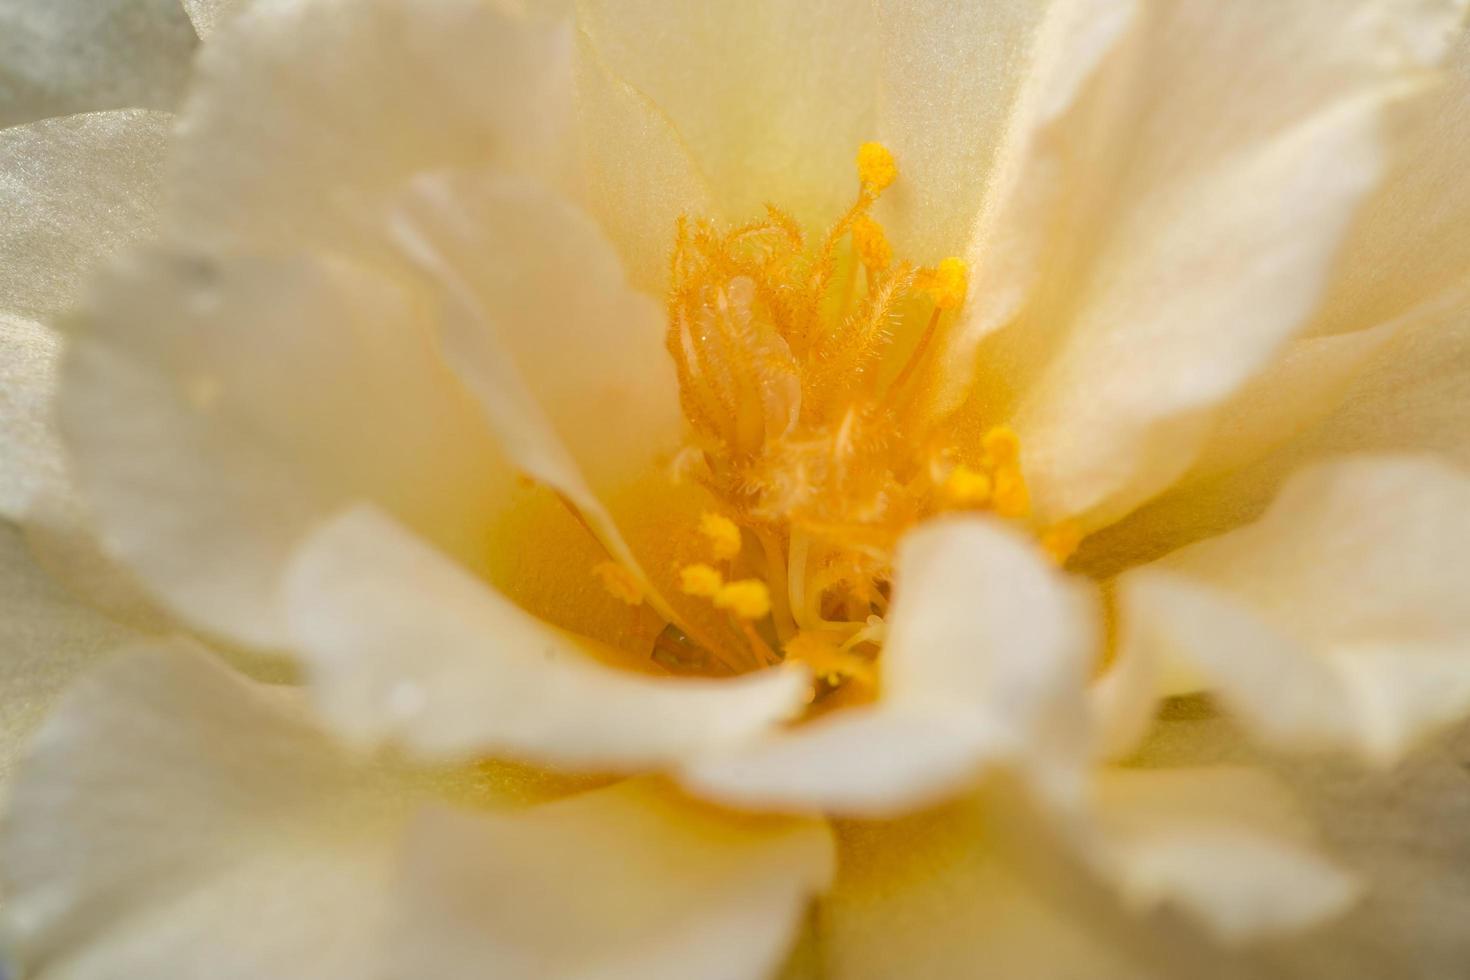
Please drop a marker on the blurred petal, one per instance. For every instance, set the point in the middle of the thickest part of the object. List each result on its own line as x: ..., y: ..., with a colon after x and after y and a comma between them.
x: 173, y: 820
x: 58, y: 58
x: 28, y: 444
x: 771, y: 98
x: 629, y: 881
x: 985, y: 662
x: 206, y: 15
x: 402, y: 645
x: 1337, y: 619
x: 216, y: 409
x: 74, y: 191
x: 280, y: 144
x: 47, y: 638
x: 1133, y: 324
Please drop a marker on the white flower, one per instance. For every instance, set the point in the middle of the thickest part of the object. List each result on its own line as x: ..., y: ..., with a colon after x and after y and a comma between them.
x: 391, y: 393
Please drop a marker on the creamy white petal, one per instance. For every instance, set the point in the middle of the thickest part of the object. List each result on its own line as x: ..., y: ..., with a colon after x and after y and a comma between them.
x: 74, y: 191
x: 629, y: 881
x: 1132, y: 335
x: 1337, y: 619
x: 60, y: 58
x: 280, y: 144
x: 770, y: 98
x: 173, y: 820
x: 948, y: 76
x: 985, y: 663
x: 403, y: 646
x: 216, y: 408
x: 28, y: 444
x: 537, y: 317
x: 47, y: 638
x: 206, y: 15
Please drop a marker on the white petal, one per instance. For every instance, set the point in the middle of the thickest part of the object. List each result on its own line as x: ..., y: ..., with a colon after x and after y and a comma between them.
x: 74, y: 191
x: 401, y: 645
x: 280, y: 144
x: 629, y: 881
x: 216, y: 408
x: 949, y: 74
x: 47, y: 639
x: 771, y: 98
x: 1185, y: 255
x: 565, y: 359
x: 174, y: 821
x: 62, y: 58
x: 28, y: 443
x: 985, y: 662
x: 1337, y: 619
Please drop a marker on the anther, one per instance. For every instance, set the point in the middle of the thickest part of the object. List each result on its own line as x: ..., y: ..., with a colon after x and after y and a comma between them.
x: 876, y: 168
x: 622, y: 584
x: 700, y: 580
x: 748, y: 598
x: 723, y: 535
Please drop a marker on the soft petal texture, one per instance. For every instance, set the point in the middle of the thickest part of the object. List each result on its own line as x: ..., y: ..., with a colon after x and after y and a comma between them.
x: 1130, y: 321
x: 33, y: 464
x: 280, y: 143
x: 175, y: 821
x: 206, y: 15
x: 985, y: 659
x: 73, y: 191
x: 770, y: 98
x: 1225, y: 844
x: 57, y: 57
x: 629, y: 881
x: 47, y: 638
x: 217, y: 408
x: 1338, y: 619
x: 949, y: 74
x: 537, y: 317
x: 401, y: 645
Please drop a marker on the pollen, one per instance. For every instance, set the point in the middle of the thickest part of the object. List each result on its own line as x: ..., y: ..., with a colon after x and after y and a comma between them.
x: 748, y: 598
x: 723, y: 535
x: 966, y: 487
x: 701, y: 580
x: 620, y: 583
x: 871, y: 244
x: 947, y: 283
x: 876, y: 167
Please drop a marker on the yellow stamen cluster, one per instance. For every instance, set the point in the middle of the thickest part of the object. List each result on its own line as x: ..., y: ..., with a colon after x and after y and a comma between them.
x: 747, y: 598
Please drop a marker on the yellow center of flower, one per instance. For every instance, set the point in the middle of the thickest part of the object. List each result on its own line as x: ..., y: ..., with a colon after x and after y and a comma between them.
x: 802, y: 368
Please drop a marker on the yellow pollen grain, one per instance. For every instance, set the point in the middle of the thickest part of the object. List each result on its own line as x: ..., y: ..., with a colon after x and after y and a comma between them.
x: 876, y: 168
x: 966, y: 487
x: 1009, y: 495
x: 871, y: 244
x: 622, y: 584
x: 748, y: 598
x: 701, y: 580
x: 1002, y: 446
x: 723, y: 535
x: 946, y: 284
x: 1060, y: 541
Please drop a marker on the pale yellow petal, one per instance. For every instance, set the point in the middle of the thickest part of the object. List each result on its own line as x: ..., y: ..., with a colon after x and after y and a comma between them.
x: 74, y: 191
x: 28, y: 444
x: 630, y: 881
x: 62, y: 58
x: 1337, y: 619
x: 173, y: 820
x: 402, y: 646
x: 770, y: 98
x: 216, y: 408
x: 985, y: 663
x: 47, y: 638
x: 1177, y: 261
x: 280, y: 143
x: 206, y: 15
x: 948, y: 76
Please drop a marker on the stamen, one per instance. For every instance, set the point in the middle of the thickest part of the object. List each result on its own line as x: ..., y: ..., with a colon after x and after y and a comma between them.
x: 876, y: 167
x: 748, y: 598
x: 1060, y: 541
x: 701, y: 581
x: 622, y: 584
x: 966, y: 487
x: 723, y: 535
x: 871, y: 244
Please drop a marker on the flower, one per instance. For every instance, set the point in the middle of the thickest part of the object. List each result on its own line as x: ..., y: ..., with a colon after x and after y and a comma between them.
x: 708, y: 460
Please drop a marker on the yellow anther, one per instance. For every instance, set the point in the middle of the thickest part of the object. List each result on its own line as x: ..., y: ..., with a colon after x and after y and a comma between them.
x: 622, y: 584
x: 700, y: 580
x: 1002, y: 446
x: 967, y: 487
x: 876, y: 168
x: 1060, y: 541
x: 722, y: 533
x: 946, y: 284
x: 1009, y: 495
x: 827, y: 660
x: 748, y: 598
x: 870, y: 242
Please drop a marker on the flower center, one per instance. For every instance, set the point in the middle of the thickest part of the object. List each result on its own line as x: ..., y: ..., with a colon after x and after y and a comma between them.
x: 802, y: 368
